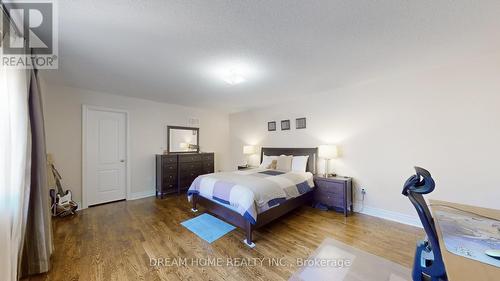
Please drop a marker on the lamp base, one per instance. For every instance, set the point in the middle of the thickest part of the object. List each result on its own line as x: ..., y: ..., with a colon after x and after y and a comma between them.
x: 326, y: 174
x: 331, y: 175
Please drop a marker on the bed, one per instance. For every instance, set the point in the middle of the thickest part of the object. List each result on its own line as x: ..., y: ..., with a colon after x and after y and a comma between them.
x: 259, y: 200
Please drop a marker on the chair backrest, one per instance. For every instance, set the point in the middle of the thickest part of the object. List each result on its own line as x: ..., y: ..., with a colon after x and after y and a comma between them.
x: 414, y: 188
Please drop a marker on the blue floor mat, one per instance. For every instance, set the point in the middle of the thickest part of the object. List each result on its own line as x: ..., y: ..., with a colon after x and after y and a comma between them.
x: 207, y: 227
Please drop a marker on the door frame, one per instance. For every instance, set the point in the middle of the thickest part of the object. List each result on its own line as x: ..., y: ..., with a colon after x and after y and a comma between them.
x: 85, y: 109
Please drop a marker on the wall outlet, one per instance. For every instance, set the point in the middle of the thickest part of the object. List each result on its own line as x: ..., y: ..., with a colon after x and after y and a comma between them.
x: 363, y: 191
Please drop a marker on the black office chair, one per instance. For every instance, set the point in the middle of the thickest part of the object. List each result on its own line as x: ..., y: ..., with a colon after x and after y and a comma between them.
x: 428, y: 261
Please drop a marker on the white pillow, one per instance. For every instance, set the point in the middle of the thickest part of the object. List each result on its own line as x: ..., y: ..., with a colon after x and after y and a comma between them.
x: 284, y: 163
x: 267, y: 160
x: 299, y: 163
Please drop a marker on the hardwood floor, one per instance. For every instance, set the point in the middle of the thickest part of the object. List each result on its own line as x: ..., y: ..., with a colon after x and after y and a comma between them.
x: 116, y: 241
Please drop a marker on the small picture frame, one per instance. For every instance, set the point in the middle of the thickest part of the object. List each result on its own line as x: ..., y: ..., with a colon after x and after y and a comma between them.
x: 300, y: 123
x: 285, y: 125
x: 271, y: 126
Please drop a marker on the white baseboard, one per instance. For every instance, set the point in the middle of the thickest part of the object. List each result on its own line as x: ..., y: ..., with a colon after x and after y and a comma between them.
x: 141, y: 194
x: 388, y: 215
x: 133, y: 196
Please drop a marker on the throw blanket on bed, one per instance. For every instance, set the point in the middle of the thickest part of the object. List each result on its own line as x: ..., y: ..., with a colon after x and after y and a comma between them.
x: 252, y: 191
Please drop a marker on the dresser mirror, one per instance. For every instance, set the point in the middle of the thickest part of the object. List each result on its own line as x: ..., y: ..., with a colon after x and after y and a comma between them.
x: 183, y: 139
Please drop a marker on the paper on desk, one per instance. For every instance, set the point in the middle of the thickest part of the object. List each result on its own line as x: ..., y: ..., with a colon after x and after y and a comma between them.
x: 469, y: 235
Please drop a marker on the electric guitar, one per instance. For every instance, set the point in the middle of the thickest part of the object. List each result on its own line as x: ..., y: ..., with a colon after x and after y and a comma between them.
x: 62, y: 203
x: 62, y: 197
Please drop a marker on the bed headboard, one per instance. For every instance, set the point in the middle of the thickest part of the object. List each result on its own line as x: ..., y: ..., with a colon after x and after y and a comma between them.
x: 276, y: 151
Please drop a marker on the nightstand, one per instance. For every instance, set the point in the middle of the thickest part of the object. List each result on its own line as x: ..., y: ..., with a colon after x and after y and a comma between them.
x: 334, y: 192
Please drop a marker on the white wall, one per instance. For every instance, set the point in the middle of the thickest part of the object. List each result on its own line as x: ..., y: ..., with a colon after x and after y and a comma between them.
x: 446, y: 120
x: 148, y: 119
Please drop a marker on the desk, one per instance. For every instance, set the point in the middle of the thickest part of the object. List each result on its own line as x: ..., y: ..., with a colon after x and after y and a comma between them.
x: 459, y: 268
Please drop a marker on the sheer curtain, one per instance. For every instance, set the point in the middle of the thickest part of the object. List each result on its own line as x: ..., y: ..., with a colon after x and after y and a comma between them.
x: 15, y: 164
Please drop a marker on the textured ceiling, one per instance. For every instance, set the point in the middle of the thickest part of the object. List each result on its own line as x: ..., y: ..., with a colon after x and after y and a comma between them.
x: 164, y: 50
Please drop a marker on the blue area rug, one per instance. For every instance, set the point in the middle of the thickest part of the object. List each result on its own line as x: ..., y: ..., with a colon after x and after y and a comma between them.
x: 207, y: 227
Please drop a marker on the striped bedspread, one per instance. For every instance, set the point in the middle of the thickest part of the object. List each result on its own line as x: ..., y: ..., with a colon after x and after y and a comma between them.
x: 252, y: 191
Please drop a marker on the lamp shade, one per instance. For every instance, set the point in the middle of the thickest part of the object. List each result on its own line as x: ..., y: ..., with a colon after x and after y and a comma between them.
x: 248, y: 149
x: 327, y: 151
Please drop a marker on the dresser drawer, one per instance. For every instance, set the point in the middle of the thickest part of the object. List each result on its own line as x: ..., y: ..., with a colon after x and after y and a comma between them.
x: 329, y: 192
x: 329, y: 199
x: 189, y: 158
x: 169, y: 187
x: 337, y: 191
x: 330, y: 185
x: 207, y: 157
x: 170, y: 178
x: 190, y: 166
x: 190, y: 174
x: 209, y: 165
x: 169, y: 168
x: 169, y: 159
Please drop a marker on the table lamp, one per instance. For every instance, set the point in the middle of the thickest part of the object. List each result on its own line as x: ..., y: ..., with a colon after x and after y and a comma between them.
x: 327, y: 152
x: 248, y: 150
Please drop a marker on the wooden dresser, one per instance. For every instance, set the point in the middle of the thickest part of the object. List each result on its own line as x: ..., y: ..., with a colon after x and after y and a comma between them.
x: 176, y: 172
x: 334, y: 192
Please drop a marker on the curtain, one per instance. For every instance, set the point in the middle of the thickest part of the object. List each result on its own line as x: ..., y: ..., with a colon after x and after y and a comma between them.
x: 25, y: 222
x: 15, y: 175
x: 38, y: 242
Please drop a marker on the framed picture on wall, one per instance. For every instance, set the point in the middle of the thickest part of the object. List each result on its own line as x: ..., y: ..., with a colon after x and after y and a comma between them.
x: 271, y: 126
x: 300, y: 123
x: 285, y: 125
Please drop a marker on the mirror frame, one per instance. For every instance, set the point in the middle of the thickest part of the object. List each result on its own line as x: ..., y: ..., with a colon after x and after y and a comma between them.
x: 183, y: 128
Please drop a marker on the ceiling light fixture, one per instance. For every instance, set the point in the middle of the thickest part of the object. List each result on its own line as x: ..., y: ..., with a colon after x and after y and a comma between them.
x: 232, y: 72
x: 233, y: 78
